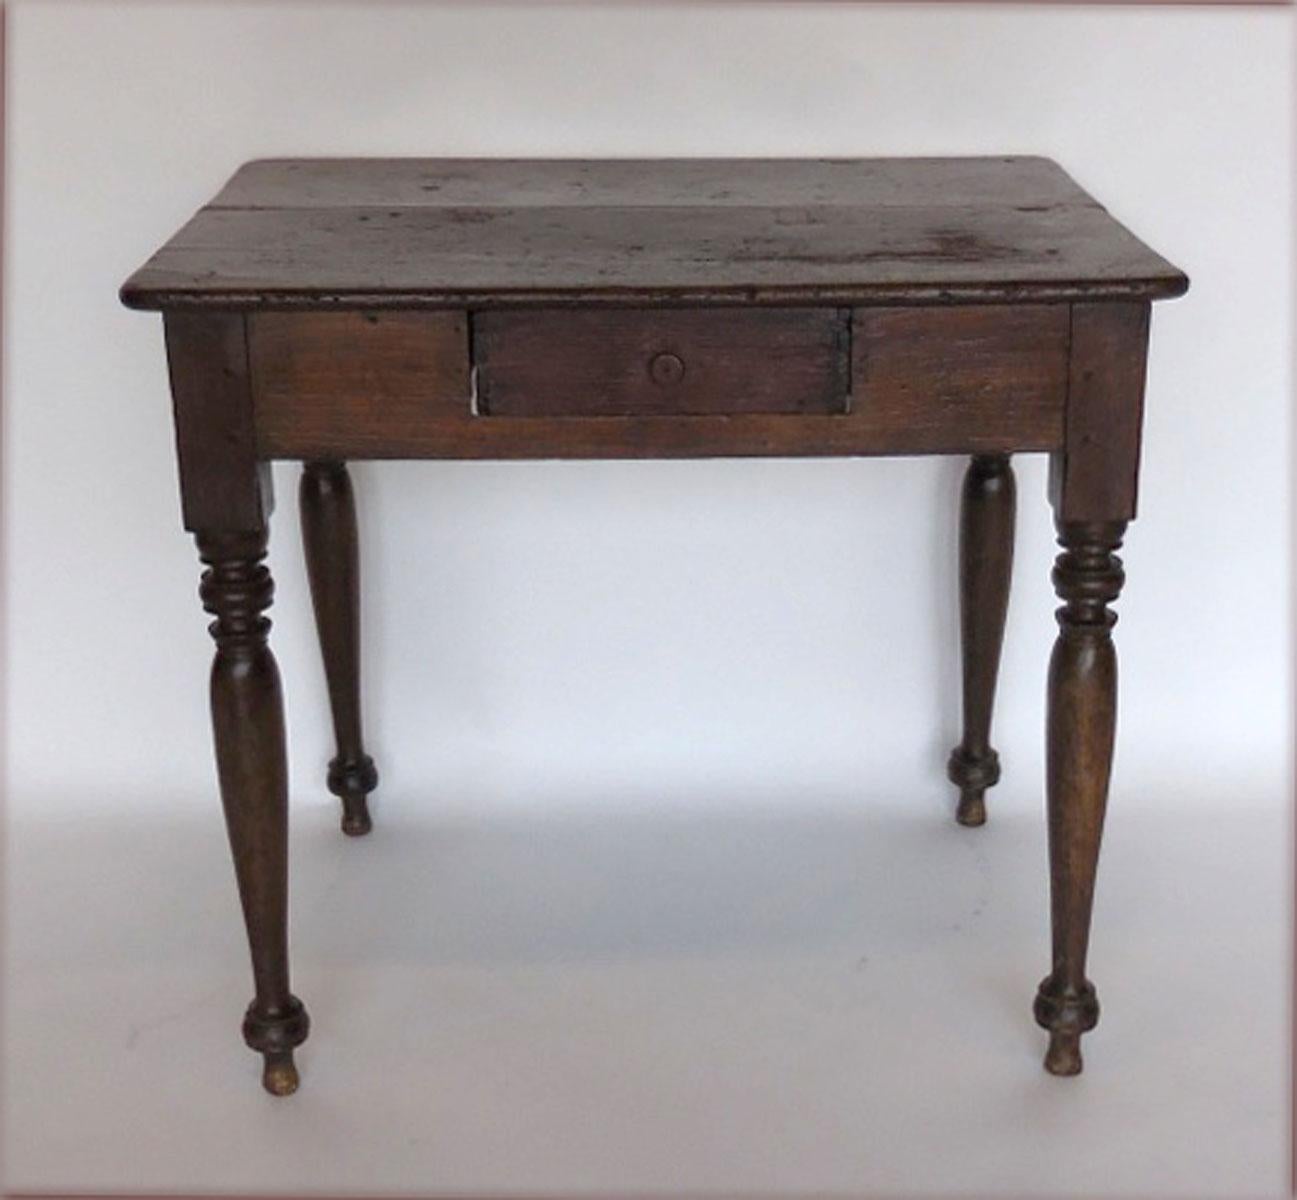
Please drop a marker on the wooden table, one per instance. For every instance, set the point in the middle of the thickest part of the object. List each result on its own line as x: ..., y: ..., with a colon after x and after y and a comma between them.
x: 330, y: 309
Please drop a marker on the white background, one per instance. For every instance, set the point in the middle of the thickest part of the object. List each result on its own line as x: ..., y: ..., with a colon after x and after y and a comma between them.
x: 686, y: 723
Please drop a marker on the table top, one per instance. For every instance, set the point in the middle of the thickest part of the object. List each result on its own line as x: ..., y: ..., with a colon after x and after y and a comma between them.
x: 482, y: 233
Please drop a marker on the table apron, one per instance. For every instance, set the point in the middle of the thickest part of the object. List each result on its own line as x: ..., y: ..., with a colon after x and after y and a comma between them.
x: 914, y: 380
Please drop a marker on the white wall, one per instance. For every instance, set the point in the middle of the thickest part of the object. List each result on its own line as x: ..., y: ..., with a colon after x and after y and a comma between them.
x: 607, y: 634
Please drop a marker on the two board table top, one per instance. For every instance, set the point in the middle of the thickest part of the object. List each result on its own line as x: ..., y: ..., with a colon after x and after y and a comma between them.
x: 401, y: 233
x: 325, y: 310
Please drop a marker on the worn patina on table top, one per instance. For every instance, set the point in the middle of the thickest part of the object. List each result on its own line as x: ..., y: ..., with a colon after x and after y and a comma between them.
x: 418, y: 233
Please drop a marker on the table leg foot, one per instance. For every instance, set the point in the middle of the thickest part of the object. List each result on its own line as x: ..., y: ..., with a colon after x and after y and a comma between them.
x: 1066, y: 1013
x: 275, y: 1033
x: 972, y: 809
x: 356, y: 821
x: 280, y: 1076
x: 973, y: 773
x: 351, y: 780
x: 1064, y: 1054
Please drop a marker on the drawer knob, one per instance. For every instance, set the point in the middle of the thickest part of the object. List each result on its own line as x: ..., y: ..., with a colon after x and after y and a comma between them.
x: 666, y: 369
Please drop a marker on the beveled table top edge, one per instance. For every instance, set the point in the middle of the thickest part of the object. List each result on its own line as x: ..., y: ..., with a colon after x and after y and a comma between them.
x: 152, y: 298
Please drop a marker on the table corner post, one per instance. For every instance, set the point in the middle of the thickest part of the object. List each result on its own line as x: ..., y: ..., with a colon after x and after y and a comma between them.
x: 226, y: 503
x: 1093, y: 483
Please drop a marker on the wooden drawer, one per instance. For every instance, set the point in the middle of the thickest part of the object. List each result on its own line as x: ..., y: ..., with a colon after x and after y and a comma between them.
x: 661, y: 362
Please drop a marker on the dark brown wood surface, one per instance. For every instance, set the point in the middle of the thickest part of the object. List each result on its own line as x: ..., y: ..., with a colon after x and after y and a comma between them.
x: 1081, y: 725
x: 946, y: 371
x: 481, y: 233
x: 330, y: 540
x: 987, y: 511
x: 341, y: 370
x: 248, y: 729
x: 950, y: 380
x: 646, y: 362
x: 630, y: 183
x: 223, y: 485
x: 859, y: 432
x: 1095, y: 475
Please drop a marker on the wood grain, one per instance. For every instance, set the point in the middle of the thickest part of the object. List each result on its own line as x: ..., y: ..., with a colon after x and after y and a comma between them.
x: 945, y: 381
x: 1095, y: 476
x: 319, y: 375
x: 631, y: 183
x: 946, y: 370
x: 222, y: 484
x: 746, y: 435
x: 463, y: 234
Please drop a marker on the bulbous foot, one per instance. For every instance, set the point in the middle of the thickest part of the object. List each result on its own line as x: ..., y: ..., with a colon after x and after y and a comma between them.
x: 972, y: 773
x: 351, y: 780
x: 280, y: 1076
x: 972, y: 807
x: 355, y: 816
x: 1067, y: 1012
x: 1064, y: 1054
x: 274, y: 1032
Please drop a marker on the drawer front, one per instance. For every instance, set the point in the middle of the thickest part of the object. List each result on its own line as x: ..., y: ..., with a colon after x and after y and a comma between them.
x: 942, y: 377
x: 321, y: 377
x: 661, y: 362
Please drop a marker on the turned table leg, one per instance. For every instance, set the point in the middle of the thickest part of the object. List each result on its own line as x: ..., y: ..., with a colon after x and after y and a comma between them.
x: 986, y: 519
x: 1080, y: 730
x: 1093, y: 485
x: 328, y: 513
x: 248, y: 724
